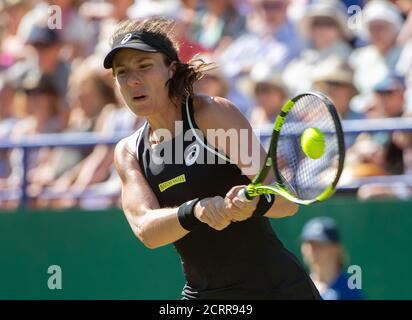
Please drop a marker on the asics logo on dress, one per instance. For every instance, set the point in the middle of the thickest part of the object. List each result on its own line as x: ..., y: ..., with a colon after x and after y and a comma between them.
x: 192, y: 153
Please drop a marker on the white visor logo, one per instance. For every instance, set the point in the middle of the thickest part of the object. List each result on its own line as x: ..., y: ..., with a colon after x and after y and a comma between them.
x: 126, y: 38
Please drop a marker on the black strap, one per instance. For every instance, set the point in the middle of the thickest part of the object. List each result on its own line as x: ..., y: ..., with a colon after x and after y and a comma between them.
x: 265, y: 203
x: 186, y: 215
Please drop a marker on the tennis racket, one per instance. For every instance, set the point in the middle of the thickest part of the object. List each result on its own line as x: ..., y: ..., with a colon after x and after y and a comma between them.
x: 298, y: 177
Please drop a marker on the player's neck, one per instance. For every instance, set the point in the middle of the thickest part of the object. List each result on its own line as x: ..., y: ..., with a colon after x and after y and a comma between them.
x: 165, y: 120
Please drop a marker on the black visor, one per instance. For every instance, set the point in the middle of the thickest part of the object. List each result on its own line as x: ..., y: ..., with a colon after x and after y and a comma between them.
x: 142, y: 42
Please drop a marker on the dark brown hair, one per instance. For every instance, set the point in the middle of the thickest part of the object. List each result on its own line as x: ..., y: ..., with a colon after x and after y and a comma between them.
x: 186, y: 74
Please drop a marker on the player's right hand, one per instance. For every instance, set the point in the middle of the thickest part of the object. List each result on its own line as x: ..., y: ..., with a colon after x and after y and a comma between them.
x: 212, y: 212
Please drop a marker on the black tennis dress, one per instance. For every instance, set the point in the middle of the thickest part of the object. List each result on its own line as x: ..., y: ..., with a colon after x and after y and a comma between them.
x: 245, y: 260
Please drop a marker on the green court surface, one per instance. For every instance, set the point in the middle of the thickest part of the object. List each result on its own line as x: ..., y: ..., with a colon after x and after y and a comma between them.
x: 100, y: 258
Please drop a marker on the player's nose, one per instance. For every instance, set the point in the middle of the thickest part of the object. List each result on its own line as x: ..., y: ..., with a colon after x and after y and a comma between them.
x: 134, y: 79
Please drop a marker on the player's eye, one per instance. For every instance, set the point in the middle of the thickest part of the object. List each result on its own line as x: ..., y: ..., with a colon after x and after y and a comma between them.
x: 145, y: 66
x: 120, y: 72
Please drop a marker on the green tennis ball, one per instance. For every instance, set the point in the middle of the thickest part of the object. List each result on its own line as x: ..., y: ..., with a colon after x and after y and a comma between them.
x: 313, y: 143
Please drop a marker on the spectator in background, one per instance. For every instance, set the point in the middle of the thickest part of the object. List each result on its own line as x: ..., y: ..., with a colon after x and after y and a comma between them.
x: 183, y: 18
x: 405, y: 34
x: 272, y: 39
x: 218, y: 24
x: 109, y: 13
x: 8, y: 121
x: 377, y: 154
x: 15, y: 11
x: 402, y: 189
x: 87, y: 177
x: 404, y: 67
x: 42, y: 108
x: 213, y: 84
x: 323, y: 253
x: 11, y: 46
x: 91, y: 99
x: 75, y: 30
x: 383, y: 22
x: 8, y: 117
x: 270, y: 93
x: 334, y: 77
x: 48, y: 61
x: 390, y: 95
x: 403, y: 140
x: 324, y: 26
x: 190, y: 4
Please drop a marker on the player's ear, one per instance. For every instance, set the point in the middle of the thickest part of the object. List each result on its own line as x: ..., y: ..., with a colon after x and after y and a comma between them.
x: 172, y: 69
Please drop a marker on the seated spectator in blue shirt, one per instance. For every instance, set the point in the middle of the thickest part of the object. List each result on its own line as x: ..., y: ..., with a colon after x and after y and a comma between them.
x: 323, y: 252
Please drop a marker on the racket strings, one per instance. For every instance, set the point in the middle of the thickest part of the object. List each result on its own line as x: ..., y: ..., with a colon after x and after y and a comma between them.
x: 304, y: 177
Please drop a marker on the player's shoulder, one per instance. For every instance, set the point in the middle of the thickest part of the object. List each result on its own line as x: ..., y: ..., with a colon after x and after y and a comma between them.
x: 207, y: 108
x: 127, y: 145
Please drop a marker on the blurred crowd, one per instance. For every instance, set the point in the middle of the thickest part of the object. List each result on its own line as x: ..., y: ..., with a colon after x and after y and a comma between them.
x: 52, y: 80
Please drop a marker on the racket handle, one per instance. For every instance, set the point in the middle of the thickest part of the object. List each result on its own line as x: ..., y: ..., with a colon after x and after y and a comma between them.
x: 244, y: 196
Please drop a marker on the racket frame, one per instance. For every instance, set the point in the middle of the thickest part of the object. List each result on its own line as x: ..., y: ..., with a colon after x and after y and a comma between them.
x: 257, y: 188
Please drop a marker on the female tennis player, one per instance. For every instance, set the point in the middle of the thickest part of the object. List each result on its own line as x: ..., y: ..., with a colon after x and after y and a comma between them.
x: 173, y: 195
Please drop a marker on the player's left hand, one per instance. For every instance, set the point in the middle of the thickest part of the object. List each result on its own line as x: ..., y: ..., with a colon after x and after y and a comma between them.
x: 237, y: 209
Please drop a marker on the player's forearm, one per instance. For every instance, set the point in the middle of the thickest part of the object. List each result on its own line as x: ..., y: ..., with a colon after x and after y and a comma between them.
x: 282, y: 208
x: 159, y: 227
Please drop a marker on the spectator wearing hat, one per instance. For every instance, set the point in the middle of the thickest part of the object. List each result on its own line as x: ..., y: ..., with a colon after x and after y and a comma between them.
x: 267, y: 93
x: 377, y: 154
x: 44, y: 58
x: 43, y: 105
x: 48, y: 47
x: 334, y: 77
x: 270, y: 93
x: 390, y: 95
x: 323, y: 253
x: 325, y: 29
x: 371, y: 63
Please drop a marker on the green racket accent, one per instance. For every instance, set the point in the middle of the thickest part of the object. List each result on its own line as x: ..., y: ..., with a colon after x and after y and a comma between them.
x: 257, y: 190
x: 326, y: 194
x: 292, y: 169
